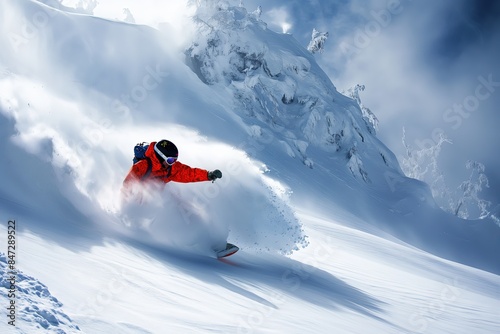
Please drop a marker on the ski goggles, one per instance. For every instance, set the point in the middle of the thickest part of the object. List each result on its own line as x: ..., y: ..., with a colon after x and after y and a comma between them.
x: 170, y: 160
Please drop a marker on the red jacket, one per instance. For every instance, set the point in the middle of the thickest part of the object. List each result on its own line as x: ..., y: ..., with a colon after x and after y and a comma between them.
x: 178, y: 171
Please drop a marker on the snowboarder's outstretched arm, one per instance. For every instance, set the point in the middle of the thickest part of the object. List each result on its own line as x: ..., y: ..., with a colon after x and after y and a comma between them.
x: 178, y: 172
x: 184, y: 173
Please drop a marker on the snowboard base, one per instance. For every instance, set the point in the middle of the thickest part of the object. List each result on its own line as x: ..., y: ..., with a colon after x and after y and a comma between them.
x: 228, y: 251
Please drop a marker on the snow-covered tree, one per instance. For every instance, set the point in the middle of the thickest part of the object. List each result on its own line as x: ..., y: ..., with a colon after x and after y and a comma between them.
x: 317, y: 42
x: 87, y: 6
x: 258, y: 12
x: 368, y: 115
x: 422, y: 164
x: 470, y: 189
x: 128, y: 16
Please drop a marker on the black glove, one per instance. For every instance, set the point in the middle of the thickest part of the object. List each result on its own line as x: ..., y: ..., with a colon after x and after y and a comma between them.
x: 216, y: 174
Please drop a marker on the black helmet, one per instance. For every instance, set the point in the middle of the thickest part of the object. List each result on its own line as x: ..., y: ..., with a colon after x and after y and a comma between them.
x: 165, y: 149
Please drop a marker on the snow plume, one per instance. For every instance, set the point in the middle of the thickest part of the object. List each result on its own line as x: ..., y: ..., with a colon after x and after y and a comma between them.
x: 244, y: 207
x: 280, y: 17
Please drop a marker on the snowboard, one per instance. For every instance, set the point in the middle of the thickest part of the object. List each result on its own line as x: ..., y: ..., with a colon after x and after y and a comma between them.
x: 228, y: 251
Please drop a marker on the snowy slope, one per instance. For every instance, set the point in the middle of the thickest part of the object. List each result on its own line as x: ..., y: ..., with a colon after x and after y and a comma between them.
x: 38, y: 309
x: 328, y: 225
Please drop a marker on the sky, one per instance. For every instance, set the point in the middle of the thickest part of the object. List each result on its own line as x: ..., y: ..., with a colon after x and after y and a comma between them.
x: 428, y: 66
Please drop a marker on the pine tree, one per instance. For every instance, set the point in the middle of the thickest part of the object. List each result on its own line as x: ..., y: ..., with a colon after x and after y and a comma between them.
x: 317, y: 42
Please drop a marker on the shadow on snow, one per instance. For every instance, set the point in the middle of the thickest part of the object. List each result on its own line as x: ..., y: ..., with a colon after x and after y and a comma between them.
x: 289, y: 280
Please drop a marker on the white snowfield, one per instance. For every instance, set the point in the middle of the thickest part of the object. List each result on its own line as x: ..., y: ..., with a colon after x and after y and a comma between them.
x: 333, y: 237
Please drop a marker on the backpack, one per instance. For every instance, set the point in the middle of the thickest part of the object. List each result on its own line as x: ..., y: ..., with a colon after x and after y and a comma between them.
x: 139, y: 154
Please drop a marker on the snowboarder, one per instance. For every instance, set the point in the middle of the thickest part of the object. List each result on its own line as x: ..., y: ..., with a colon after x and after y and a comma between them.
x: 158, y: 164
